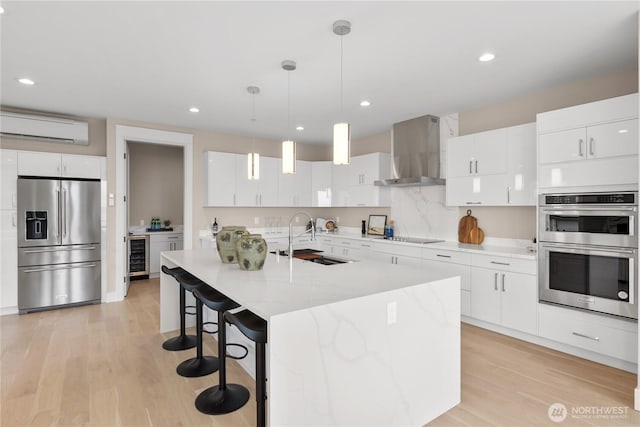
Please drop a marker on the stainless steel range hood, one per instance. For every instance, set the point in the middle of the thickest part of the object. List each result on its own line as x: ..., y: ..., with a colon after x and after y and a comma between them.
x: 415, y: 150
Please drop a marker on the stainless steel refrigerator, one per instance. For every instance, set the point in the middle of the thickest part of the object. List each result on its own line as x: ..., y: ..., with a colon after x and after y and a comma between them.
x: 58, y: 243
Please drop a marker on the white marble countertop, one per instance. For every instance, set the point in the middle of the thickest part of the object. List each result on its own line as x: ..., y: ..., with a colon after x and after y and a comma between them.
x: 284, y: 286
x: 509, y: 248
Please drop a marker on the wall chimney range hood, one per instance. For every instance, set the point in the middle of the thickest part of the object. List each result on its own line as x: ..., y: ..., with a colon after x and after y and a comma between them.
x: 415, y: 150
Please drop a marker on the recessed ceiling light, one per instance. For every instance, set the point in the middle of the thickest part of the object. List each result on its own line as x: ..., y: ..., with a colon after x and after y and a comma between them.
x: 1, y: 10
x: 486, y: 57
x: 194, y: 109
x: 623, y: 131
x: 365, y: 103
x: 26, y: 81
x: 300, y: 128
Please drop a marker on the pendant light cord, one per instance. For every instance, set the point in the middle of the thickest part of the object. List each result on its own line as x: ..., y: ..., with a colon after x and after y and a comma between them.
x: 341, y: 80
x: 288, y: 102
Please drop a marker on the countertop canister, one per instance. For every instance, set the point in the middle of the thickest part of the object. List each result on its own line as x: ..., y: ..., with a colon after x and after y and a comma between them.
x: 226, y: 242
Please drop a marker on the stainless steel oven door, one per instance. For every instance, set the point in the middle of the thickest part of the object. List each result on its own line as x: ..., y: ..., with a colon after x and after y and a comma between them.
x: 586, y: 225
x: 596, y: 278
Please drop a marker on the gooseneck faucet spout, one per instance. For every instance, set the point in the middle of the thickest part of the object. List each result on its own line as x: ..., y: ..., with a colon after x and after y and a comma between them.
x: 291, y: 236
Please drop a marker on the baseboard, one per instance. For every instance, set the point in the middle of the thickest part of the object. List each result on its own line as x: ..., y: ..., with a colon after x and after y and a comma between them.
x: 4, y: 311
x: 113, y: 297
x: 564, y: 348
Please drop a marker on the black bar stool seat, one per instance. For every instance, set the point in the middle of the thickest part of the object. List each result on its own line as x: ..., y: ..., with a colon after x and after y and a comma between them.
x: 222, y: 398
x: 255, y: 328
x: 182, y: 341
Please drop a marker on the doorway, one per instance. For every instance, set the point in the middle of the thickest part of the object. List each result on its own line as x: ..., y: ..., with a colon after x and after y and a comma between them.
x: 124, y: 136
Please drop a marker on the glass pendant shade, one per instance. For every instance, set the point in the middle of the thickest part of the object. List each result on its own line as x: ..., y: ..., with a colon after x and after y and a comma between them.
x: 288, y: 157
x: 253, y: 166
x: 341, y: 144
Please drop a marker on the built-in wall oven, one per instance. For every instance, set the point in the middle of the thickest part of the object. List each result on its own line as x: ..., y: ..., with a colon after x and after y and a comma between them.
x: 588, y: 251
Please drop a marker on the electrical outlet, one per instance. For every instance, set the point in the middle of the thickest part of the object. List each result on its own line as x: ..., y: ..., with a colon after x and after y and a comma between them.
x: 142, y: 222
x: 297, y: 220
x: 256, y: 220
x: 337, y: 219
x: 392, y: 313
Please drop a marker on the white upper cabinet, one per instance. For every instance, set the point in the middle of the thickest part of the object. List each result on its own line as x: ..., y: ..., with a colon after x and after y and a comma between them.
x: 295, y: 189
x: 33, y: 163
x: 353, y: 183
x: 495, y: 168
x: 219, y: 171
x: 260, y: 192
x: 483, y: 153
x: 8, y: 186
x: 314, y: 183
x: 592, y: 145
x: 321, y: 186
x: 521, y: 166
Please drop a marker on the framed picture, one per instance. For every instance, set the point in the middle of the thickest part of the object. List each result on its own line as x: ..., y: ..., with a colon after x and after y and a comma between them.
x: 376, y: 225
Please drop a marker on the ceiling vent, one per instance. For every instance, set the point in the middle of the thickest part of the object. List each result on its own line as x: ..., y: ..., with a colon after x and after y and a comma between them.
x: 50, y: 129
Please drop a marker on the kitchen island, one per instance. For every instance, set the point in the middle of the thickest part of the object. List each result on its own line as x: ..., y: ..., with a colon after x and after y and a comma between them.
x: 349, y: 344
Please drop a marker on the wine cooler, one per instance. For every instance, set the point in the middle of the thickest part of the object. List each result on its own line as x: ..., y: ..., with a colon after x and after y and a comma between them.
x: 139, y: 256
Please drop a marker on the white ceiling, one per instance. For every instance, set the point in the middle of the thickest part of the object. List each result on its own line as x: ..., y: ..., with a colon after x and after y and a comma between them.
x: 151, y: 61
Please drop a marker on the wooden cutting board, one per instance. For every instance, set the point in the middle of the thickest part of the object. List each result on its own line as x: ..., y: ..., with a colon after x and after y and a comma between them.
x: 476, y: 236
x: 467, y: 223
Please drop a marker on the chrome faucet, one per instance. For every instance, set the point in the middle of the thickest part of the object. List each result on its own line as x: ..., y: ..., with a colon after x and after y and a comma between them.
x: 291, y: 236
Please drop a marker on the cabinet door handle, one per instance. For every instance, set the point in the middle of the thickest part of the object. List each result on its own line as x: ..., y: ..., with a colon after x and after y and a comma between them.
x: 13, y: 219
x: 443, y: 256
x: 585, y: 336
x: 508, y: 195
x: 470, y: 165
x: 473, y: 203
x: 580, y: 142
x: 476, y: 166
x: 500, y: 263
x: 495, y: 281
x: 261, y: 200
x: 502, y: 282
x: 591, y: 141
x: 14, y: 199
x: 234, y: 199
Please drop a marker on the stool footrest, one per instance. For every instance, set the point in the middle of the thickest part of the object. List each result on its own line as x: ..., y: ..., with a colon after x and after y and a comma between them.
x: 246, y: 351
x: 190, y: 307
x: 209, y: 332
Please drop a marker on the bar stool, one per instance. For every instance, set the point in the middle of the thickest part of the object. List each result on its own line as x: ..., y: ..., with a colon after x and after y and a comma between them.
x: 255, y: 328
x: 200, y: 365
x: 182, y: 341
x: 222, y: 398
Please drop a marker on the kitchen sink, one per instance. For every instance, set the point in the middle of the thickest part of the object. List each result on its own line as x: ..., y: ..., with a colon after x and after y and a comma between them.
x: 313, y: 255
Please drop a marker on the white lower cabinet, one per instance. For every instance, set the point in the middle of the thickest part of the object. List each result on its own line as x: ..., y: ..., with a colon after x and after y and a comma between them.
x: 390, y: 253
x: 601, y: 334
x: 453, y: 263
x: 161, y: 243
x: 347, y: 248
x: 502, y: 296
x: 9, y: 259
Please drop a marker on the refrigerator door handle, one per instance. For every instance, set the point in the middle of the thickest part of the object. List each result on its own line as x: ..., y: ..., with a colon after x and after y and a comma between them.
x: 58, y: 226
x: 65, y: 267
x: 64, y: 212
x: 40, y: 251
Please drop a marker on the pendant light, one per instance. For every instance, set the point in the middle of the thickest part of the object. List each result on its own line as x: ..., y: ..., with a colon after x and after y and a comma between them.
x: 253, y: 159
x: 289, y: 146
x: 341, y: 131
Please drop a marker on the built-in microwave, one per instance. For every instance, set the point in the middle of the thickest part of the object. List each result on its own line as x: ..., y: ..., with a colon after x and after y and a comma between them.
x: 592, y: 219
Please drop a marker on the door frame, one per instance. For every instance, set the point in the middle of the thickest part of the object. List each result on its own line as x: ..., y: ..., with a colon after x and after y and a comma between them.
x: 150, y: 136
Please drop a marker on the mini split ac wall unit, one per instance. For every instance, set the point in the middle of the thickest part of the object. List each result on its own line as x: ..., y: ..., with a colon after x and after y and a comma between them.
x: 50, y: 129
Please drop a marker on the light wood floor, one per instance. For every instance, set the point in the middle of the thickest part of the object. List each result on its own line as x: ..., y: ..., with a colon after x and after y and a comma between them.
x: 103, y: 365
